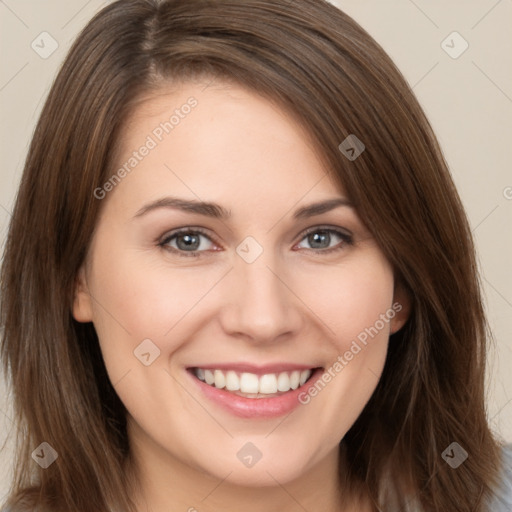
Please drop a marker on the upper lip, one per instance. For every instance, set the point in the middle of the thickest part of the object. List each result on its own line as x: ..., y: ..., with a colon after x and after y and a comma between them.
x: 253, y: 368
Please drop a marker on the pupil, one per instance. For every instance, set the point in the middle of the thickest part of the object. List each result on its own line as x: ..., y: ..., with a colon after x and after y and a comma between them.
x: 187, y: 242
x: 319, y: 240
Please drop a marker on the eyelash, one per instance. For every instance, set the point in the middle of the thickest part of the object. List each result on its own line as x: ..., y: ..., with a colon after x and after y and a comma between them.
x: 346, y: 240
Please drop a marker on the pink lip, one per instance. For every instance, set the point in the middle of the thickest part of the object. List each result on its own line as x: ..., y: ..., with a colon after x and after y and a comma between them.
x: 256, y: 407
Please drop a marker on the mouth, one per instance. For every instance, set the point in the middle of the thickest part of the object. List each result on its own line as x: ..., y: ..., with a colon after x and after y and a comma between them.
x: 252, y: 392
x: 252, y: 385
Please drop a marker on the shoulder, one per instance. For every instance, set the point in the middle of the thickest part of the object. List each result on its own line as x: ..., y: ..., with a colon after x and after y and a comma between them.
x: 502, y: 499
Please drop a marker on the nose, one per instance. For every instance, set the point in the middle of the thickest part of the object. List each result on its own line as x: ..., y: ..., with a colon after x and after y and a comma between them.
x: 260, y: 304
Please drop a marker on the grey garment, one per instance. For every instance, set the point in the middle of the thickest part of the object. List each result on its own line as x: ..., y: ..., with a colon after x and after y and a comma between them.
x: 502, y: 499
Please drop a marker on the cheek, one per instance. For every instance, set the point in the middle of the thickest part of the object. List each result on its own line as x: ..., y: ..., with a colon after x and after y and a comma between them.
x: 349, y: 298
x: 354, y: 302
x: 140, y: 297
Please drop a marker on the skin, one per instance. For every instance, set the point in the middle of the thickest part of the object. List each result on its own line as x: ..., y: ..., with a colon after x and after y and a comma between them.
x: 294, y: 304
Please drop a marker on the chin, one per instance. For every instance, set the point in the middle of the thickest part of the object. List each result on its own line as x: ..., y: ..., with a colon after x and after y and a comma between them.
x: 267, y: 471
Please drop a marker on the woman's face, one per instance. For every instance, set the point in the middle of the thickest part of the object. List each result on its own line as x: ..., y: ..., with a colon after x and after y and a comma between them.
x: 225, y: 253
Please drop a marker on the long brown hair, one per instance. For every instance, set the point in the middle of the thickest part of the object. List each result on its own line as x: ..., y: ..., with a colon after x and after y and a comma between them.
x: 323, y: 68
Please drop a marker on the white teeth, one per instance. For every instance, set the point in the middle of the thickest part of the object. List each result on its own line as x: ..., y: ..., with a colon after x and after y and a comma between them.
x: 283, y: 382
x: 304, y: 376
x: 220, y: 380
x: 268, y: 384
x: 208, y: 377
x: 252, y: 385
x: 249, y: 383
x: 232, y: 381
x: 295, y: 379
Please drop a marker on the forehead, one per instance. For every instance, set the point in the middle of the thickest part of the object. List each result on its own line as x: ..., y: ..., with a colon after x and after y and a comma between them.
x: 216, y: 141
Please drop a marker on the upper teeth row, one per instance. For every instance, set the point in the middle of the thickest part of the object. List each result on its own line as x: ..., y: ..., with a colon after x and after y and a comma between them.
x: 252, y: 383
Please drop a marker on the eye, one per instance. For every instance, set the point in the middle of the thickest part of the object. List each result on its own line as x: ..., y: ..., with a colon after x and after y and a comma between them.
x: 325, y: 240
x: 192, y: 242
x: 188, y: 242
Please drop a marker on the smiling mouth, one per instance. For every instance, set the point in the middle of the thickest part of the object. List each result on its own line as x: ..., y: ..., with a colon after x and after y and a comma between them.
x: 251, y: 385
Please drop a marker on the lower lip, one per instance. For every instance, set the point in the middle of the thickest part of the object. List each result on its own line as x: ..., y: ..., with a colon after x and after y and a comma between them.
x: 256, y: 407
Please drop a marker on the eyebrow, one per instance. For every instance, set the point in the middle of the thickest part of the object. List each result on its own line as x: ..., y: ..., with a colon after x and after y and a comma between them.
x: 218, y: 212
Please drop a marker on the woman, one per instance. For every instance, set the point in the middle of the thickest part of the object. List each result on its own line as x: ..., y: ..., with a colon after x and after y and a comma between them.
x: 238, y: 274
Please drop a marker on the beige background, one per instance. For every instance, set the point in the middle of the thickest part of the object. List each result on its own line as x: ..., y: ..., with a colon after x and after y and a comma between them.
x: 468, y: 100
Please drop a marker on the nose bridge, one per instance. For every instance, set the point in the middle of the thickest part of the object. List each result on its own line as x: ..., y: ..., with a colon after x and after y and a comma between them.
x: 260, y: 306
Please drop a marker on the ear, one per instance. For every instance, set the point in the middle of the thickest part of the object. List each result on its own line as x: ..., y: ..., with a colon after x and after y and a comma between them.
x: 402, y: 305
x: 82, y: 306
